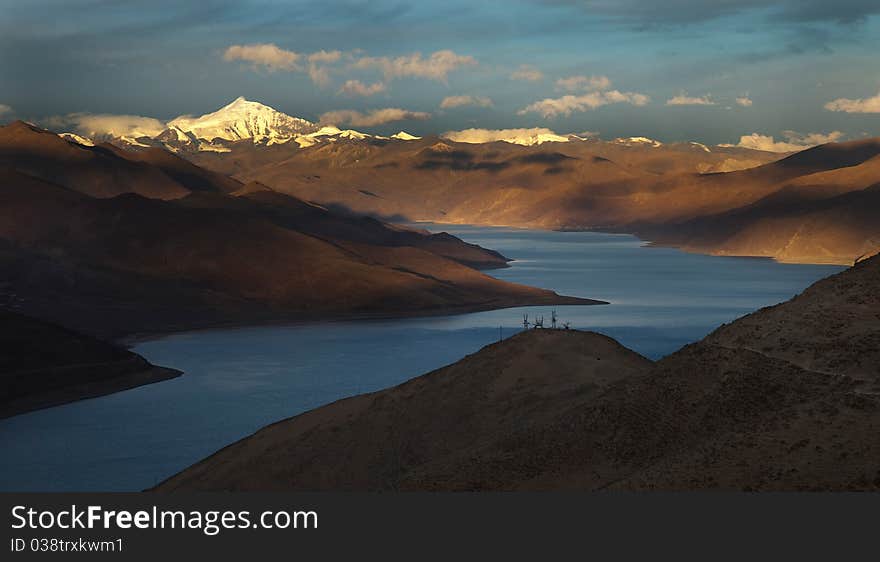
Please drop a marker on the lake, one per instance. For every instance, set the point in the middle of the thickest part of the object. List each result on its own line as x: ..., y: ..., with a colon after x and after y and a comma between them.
x: 238, y: 380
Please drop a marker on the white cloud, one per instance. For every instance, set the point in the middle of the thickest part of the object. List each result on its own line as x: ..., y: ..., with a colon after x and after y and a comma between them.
x: 372, y: 117
x: 588, y: 83
x: 320, y: 64
x: 528, y: 73
x: 536, y: 135
x: 459, y: 101
x: 358, y: 88
x: 744, y: 101
x: 861, y: 105
x: 684, y: 99
x: 325, y: 56
x: 319, y: 75
x: 273, y: 58
x: 102, y: 125
x: 552, y: 107
x: 435, y: 67
x: 4, y: 109
x: 794, y: 141
x: 267, y: 55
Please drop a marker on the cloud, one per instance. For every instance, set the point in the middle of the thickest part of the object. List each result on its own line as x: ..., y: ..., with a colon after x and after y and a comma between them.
x: 684, y: 99
x: 861, y: 105
x: 358, y: 88
x: 4, y: 109
x: 459, y: 101
x: 588, y: 83
x: 516, y: 136
x: 97, y: 125
x: 372, y: 117
x: 552, y: 107
x: 319, y: 75
x: 528, y: 73
x: 325, y: 56
x: 794, y: 141
x: 267, y: 55
x: 435, y: 67
x: 744, y: 101
x: 273, y: 58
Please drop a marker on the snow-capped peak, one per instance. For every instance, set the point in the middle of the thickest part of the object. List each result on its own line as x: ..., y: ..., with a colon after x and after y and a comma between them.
x: 333, y: 131
x: 243, y: 119
x: 404, y: 136
x: 73, y: 137
x: 638, y: 141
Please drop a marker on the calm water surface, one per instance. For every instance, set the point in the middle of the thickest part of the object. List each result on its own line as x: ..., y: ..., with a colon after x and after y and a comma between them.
x: 238, y: 380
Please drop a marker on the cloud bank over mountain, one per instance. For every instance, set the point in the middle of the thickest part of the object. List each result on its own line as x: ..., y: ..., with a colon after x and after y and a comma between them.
x: 372, y: 117
x: 793, y: 142
x: 860, y: 105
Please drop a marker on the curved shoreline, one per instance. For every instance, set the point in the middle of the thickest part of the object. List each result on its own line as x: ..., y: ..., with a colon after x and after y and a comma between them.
x: 297, y: 319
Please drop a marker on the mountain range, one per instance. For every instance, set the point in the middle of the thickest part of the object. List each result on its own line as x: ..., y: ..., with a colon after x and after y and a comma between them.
x: 114, y: 242
x: 814, y: 206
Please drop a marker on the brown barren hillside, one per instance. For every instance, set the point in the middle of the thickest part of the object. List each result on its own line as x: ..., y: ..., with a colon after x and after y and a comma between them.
x: 243, y: 260
x: 673, y: 194
x: 100, y: 171
x: 784, y: 399
x: 554, y: 185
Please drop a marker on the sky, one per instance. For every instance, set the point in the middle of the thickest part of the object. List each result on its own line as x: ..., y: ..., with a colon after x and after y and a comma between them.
x: 767, y: 73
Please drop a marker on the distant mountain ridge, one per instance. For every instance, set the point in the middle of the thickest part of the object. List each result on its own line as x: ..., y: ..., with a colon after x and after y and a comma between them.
x: 247, y: 120
x: 240, y: 120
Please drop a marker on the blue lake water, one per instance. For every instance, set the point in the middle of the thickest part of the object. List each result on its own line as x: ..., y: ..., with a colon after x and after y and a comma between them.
x: 238, y: 380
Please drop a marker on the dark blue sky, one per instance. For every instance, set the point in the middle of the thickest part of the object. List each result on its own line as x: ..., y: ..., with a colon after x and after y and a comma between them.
x: 734, y: 67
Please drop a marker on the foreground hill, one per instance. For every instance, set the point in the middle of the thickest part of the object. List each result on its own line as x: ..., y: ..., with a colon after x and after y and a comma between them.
x: 782, y: 399
x: 44, y: 365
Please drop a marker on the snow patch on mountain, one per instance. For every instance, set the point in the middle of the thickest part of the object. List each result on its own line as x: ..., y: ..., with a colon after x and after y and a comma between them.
x: 73, y: 137
x: 525, y: 137
x: 638, y: 141
x: 404, y: 136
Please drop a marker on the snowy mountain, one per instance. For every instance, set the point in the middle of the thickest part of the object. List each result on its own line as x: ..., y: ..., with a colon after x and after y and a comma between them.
x: 243, y: 119
x: 240, y: 120
x: 525, y: 137
x: 638, y: 141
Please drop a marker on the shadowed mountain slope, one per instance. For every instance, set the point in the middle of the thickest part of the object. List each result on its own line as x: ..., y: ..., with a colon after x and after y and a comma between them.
x: 243, y: 259
x: 43, y: 365
x: 103, y: 170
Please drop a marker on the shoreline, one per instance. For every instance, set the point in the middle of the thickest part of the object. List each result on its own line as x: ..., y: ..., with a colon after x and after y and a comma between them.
x: 91, y: 389
x: 135, y: 338
x: 839, y: 261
